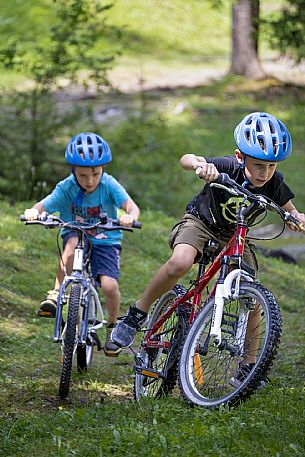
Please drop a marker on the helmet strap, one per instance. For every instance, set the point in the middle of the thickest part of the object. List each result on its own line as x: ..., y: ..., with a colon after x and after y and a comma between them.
x: 242, y: 165
x: 243, y: 162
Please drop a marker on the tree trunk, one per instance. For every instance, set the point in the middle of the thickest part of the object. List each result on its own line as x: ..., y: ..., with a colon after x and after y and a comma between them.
x: 245, y: 60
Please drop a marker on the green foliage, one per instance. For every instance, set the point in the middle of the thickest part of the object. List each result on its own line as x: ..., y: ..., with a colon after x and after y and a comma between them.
x: 65, y: 47
x: 32, y: 128
x: 288, y: 30
x: 32, y: 156
x: 146, y: 159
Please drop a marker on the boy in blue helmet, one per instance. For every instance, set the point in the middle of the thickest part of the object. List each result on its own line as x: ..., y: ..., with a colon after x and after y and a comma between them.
x: 82, y: 196
x: 262, y: 142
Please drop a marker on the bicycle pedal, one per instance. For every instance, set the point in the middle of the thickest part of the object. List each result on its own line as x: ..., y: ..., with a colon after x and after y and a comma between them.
x: 148, y: 372
x: 41, y: 313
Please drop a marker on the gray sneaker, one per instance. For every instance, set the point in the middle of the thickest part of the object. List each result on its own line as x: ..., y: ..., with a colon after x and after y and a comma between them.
x: 111, y: 349
x: 125, y: 331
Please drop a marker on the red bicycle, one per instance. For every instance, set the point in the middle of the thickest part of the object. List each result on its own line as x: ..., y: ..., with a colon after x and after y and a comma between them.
x: 221, y: 342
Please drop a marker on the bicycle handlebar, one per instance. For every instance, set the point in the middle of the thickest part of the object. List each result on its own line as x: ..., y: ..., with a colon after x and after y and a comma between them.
x: 105, y: 223
x: 225, y: 182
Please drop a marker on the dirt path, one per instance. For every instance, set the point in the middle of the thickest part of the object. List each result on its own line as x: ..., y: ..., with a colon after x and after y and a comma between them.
x: 132, y: 81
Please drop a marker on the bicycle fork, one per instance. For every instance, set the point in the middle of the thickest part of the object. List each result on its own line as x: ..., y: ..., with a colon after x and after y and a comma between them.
x: 226, y: 290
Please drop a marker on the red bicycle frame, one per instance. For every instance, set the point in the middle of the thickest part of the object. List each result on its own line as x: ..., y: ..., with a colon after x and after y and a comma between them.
x: 234, y: 247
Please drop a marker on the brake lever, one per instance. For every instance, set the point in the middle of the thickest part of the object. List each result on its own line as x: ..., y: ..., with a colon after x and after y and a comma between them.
x: 228, y: 189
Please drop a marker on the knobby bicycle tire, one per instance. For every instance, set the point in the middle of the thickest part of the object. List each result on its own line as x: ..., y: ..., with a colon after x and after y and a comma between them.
x: 207, y: 374
x: 172, y: 331
x: 69, y: 340
x: 85, y: 352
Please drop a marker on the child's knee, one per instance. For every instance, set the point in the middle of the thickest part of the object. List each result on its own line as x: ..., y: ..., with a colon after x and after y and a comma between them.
x: 70, y: 246
x: 178, y: 265
x: 109, y: 286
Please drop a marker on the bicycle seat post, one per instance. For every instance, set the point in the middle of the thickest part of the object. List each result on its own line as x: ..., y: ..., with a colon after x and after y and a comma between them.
x: 201, y: 267
x: 208, y: 255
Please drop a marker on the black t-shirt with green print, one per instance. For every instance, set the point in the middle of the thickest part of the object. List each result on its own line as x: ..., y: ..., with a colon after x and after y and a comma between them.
x: 217, y: 207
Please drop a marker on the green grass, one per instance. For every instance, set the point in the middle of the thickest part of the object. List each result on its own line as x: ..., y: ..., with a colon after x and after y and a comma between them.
x: 173, y: 29
x: 101, y: 418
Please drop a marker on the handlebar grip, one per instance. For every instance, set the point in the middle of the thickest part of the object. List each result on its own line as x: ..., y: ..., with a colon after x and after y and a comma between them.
x: 135, y: 224
x: 41, y: 217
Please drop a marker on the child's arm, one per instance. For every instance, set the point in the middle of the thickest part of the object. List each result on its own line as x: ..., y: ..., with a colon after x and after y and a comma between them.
x: 132, y: 212
x: 295, y: 213
x: 32, y: 214
x: 204, y: 170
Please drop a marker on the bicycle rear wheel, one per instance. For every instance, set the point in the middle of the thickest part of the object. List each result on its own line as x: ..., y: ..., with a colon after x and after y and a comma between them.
x: 162, y: 361
x: 69, y: 340
x: 84, y: 357
x: 208, y: 373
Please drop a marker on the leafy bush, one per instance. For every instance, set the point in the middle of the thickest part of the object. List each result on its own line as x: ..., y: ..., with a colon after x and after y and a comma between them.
x: 31, y: 124
x: 146, y: 160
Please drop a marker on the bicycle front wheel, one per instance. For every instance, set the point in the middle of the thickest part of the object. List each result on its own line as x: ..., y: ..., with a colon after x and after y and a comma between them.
x: 162, y: 361
x: 69, y: 342
x: 210, y: 375
x: 85, y: 351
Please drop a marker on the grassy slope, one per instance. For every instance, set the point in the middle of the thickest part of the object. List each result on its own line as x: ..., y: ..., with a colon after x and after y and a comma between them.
x: 101, y: 419
x: 173, y: 29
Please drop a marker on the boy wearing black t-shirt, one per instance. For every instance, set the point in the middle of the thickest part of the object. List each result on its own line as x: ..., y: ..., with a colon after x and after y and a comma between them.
x: 262, y: 142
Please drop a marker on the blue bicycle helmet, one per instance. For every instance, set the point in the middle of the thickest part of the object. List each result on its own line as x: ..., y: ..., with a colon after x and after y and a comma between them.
x: 264, y: 137
x: 88, y: 150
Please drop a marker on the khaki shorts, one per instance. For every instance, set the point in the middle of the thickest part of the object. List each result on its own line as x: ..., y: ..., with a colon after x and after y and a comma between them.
x: 191, y: 230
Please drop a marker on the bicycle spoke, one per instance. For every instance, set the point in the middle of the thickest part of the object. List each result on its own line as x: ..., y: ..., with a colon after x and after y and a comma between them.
x: 208, y: 374
x: 161, y: 361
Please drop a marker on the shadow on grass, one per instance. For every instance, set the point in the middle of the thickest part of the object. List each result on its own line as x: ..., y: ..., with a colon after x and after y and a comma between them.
x: 31, y: 368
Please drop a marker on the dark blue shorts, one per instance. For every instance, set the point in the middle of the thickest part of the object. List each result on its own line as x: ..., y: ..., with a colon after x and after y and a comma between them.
x: 105, y: 259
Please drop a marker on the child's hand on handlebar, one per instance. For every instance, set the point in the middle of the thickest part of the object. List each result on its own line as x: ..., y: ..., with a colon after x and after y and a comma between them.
x: 207, y: 171
x: 126, y: 220
x: 31, y: 214
x: 301, y: 218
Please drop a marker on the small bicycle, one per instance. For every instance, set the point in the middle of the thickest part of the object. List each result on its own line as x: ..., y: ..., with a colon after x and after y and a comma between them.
x: 204, y: 336
x: 77, y: 333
